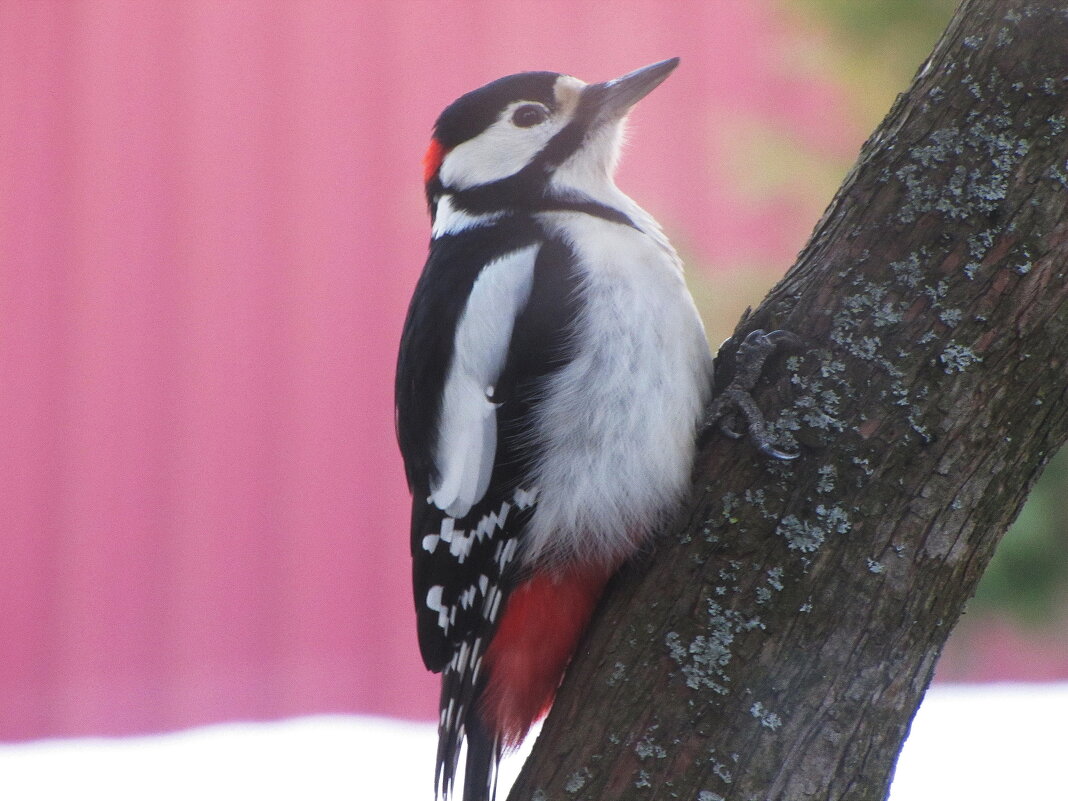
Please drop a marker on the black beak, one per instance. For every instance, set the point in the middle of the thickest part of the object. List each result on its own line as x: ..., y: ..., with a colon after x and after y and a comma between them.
x: 614, y: 98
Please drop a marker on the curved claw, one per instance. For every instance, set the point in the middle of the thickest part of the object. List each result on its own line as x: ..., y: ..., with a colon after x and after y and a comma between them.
x: 725, y: 427
x: 770, y: 450
x: 781, y: 338
x: 772, y: 339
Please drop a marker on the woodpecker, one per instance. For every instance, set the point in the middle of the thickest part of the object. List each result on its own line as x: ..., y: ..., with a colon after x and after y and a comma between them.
x: 550, y: 385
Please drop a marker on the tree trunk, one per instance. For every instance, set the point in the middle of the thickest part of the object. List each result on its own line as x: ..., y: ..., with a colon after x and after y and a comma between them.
x: 778, y: 642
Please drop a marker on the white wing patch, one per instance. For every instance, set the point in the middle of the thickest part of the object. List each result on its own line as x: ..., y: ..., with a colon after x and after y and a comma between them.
x: 467, y: 437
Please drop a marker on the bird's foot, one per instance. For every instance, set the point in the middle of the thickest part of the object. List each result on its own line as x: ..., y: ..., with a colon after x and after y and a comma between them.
x: 737, y: 399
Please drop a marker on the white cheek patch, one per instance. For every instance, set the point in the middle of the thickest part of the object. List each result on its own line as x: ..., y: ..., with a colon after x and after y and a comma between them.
x: 501, y: 150
x: 467, y: 436
x: 498, y: 152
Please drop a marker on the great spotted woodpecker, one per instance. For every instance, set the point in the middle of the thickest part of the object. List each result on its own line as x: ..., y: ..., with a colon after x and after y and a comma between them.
x: 550, y: 386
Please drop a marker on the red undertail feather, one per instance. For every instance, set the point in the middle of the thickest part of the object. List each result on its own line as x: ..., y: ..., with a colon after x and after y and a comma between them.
x: 542, y: 623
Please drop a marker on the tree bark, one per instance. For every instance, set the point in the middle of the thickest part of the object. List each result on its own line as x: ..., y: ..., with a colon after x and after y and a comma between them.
x: 780, y: 638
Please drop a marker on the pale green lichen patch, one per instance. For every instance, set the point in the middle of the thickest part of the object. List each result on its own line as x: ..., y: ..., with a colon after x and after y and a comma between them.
x: 862, y: 327
x: 730, y: 504
x: 775, y: 578
x: 890, y: 313
x: 1059, y: 173
x: 909, y: 271
x: 951, y: 317
x: 704, y: 659
x: 937, y: 293
x: 835, y: 518
x: 827, y: 474
x: 759, y: 499
x: 820, y: 410
x: 767, y: 718
x: 806, y: 536
x: 958, y: 358
x: 801, y: 535
x: 979, y: 244
x: 720, y: 769
x: 818, y: 398
x: 647, y: 747
x: 985, y: 151
x: 577, y: 780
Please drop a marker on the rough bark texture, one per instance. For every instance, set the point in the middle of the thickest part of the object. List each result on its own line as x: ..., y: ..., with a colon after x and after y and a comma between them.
x: 777, y: 644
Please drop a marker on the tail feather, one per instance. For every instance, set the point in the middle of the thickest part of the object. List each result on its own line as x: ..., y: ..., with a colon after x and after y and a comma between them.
x: 491, y: 695
x: 483, y: 759
x: 448, y: 757
x: 461, y: 722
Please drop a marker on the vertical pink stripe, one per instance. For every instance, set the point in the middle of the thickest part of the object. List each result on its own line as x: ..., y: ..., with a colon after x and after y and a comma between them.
x: 33, y: 252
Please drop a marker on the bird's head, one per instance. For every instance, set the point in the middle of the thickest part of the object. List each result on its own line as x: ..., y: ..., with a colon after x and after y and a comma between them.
x: 531, y: 136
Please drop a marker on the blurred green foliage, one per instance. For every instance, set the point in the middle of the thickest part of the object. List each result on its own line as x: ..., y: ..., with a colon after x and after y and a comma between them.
x: 883, y: 21
x: 1028, y: 576
x: 878, y: 44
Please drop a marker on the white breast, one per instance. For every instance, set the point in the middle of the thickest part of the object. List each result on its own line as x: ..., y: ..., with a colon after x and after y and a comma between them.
x: 620, y: 419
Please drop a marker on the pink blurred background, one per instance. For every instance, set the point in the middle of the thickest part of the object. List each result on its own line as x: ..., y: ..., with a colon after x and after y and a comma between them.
x: 211, y: 219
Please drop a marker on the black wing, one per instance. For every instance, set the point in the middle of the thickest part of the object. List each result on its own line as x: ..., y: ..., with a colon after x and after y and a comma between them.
x: 455, y: 554
x: 464, y: 568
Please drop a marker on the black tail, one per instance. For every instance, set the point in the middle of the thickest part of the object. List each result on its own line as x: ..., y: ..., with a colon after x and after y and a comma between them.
x: 460, y: 722
x: 483, y: 757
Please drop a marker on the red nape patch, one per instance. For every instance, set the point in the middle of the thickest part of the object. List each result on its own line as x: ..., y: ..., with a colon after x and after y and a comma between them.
x: 542, y: 623
x: 432, y: 159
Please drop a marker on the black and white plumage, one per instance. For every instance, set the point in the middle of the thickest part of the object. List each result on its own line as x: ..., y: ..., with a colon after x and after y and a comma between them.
x: 551, y: 379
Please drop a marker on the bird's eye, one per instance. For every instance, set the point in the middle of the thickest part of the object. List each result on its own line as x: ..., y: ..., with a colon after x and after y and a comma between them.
x: 529, y: 115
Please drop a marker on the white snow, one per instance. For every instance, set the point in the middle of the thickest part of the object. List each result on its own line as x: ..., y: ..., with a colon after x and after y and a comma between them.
x: 974, y: 742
